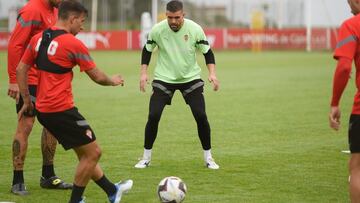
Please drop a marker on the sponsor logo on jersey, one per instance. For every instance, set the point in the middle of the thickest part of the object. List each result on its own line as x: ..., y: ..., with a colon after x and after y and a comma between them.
x: 89, y: 133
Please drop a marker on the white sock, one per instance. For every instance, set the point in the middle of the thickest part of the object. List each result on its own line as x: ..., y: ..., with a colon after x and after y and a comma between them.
x: 207, y: 154
x: 147, y: 154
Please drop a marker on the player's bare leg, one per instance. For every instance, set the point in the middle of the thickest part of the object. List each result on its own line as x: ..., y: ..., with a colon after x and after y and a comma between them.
x: 19, y: 148
x: 354, y: 166
x: 48, y: 179
x: 88, y: 168
x: 48, y: 147
x: 113, y: 191
x: 89, y: 156
x: 20, y: 142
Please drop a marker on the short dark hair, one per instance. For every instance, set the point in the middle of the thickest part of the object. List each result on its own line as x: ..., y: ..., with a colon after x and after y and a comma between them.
x: 174, y: 6
x: 68, y: 7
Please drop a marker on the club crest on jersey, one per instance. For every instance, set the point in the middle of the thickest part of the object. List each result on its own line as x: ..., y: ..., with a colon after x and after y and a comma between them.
x: 89, y: 133
x: 186, y: 38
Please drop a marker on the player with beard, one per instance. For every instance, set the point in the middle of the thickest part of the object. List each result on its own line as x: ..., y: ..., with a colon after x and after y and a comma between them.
x: 177, y: 40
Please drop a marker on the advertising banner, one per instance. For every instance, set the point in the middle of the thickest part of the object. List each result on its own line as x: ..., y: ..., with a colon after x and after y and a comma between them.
x: 293, y: 39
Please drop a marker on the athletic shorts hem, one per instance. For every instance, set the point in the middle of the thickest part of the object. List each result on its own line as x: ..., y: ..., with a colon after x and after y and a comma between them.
x: 69, y: 127
x: 354, y: 133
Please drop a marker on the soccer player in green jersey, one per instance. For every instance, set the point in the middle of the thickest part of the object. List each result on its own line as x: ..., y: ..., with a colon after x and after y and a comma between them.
x: 177, y: 40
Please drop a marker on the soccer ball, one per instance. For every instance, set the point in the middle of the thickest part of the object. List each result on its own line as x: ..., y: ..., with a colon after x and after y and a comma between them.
x: 171, y: 190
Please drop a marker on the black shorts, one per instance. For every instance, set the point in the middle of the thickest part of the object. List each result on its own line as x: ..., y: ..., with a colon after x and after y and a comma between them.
x: 69, y: 127
x: 354, y: 133
x: 32, y: 91
x: 165, y: 91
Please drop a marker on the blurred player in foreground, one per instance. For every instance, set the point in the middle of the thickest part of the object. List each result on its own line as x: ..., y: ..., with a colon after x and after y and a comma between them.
x: 347, y: 50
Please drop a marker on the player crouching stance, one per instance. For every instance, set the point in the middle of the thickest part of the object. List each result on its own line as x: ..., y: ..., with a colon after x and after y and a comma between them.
x: 55, y: 52
x: 177, y: 40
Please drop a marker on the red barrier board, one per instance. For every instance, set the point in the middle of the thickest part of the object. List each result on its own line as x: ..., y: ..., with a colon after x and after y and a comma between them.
x: 112, y: 40
x: 135, y: 40
x: 218, y: 39
x: 215, y: 38
x: 275, y: 39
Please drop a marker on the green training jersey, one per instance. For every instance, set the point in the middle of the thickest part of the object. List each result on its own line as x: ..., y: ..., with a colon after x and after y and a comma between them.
x: 177, y: 51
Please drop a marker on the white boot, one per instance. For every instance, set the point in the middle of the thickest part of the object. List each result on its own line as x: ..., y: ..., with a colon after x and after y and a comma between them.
x: 145, y: 160
x: 209, y: 161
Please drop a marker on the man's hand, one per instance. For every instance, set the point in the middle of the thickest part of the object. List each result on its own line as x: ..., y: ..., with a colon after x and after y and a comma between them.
x: 13, y: 91
x: 212, y: 79
x: 117, y: 80
x: 334, y: 117
x: 26, y: 110
x: 143, y: 81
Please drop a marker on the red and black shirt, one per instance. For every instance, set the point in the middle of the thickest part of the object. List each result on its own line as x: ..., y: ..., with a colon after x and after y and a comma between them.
x: 54, y: 91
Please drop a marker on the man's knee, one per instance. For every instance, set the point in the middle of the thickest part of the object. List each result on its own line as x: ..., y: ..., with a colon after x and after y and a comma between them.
x: 200, y: 115
x: 25, y: 125
x: 95, y: 154
x: 355, y: 161
x: 154, y: 116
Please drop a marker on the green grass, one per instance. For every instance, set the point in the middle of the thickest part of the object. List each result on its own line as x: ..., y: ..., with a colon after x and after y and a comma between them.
x: 270, y: 133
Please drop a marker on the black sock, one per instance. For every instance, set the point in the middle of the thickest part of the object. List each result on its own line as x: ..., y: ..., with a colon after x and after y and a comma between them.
x: 76, y: 194
x: 48, y: 171
x: 18, y: 177
x: 106, y: 185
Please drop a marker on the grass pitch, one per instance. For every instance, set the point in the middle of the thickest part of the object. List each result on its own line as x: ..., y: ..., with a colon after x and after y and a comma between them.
x: 270, y: 133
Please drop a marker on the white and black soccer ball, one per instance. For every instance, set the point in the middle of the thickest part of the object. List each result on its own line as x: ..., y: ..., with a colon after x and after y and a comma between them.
x: 171, y: 190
